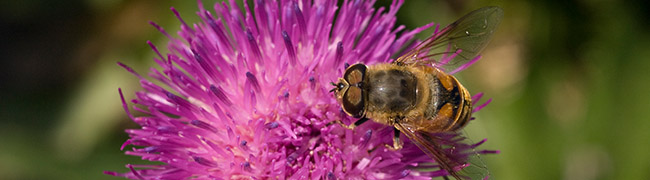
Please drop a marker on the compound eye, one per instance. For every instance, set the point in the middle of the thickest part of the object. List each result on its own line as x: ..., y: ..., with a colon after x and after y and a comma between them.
x: 355, y: 74
x: 353, y: 102
x: 353, y: 99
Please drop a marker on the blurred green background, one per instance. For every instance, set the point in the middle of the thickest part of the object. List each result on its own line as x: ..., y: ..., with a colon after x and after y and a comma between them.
x: 569, y: 79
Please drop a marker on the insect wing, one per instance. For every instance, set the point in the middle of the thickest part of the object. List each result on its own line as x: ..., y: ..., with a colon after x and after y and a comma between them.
x: 457, y: 158
x: 459, y: 42
x: 462, y: 149
x: 477, y: 168
x: 432, y: 149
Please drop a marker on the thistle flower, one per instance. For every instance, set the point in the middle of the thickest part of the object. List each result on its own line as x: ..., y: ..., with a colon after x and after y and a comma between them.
x: 245, y: 95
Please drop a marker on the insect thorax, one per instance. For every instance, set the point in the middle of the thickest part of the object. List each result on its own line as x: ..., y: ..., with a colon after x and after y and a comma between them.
x: 391, y: 90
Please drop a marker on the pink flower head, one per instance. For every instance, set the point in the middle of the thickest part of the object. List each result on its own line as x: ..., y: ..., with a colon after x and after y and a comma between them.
x: 246, y: 96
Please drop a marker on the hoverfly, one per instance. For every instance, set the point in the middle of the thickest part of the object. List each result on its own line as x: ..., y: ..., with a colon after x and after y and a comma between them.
x: 415, y: 93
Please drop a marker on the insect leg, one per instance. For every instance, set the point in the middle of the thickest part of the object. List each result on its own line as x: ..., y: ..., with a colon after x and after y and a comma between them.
x: 397, y: 143
x: 355, y: 124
